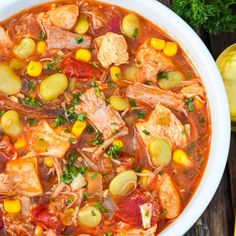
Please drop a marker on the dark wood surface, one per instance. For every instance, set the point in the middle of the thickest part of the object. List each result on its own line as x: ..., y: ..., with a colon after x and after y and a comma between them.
x: 218, y: 218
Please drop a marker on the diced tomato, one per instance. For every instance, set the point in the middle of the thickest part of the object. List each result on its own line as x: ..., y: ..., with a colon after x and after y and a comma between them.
x: 7, y: 152
x: 114, y: 20
x: 40, y: 214
x: 129, y: 208
x: 80, y: 70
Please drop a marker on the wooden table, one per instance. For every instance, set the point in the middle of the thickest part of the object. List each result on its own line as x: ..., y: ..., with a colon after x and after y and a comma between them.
x: 218, y: 218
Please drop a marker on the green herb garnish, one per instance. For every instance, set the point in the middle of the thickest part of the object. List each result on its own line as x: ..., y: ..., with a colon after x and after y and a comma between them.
x: 32, y: 121
x: 86, y: 195
x: 94, y: 64
x: 135, y: 33
x: 90, y: 129
x: 115, y: 151
x: 111, y: 83
x: 42, y: 36
x: 81, y: 117
x: 140, y: 113
x: 214, y: 16
x: 71, y: 115
x: 76, y: 99
x: 98, y: 139
x: 32, y: 102
x: 132, y: 103
x: 146, y: 132
x: 96, y: 87
x: 69, y: 200
x: 79, y: 39
x: 189, y: 103
x: 138, y: 169
x: 100, y: 207
x: 108, y: 233
x: 94, y: 176
x: 162, y: 75
x: 93, y: 213
x: 60, y: 120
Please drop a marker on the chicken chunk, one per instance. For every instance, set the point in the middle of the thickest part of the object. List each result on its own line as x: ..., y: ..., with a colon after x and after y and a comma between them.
x: 5, y: 42
x: 57, y: 144
x: 101, y: 115
x: 153, y: 95
x: 169, y: 197
x: 151, y: 62
x: 112, y: 49
x: 192, y: 89
x: 61, y: 39
x: 162, y: 123
x: 21, y: 177
x: 63, y: 17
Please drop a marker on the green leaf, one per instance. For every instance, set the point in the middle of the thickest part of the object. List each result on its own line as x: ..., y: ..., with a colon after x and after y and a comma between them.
x: 115, y: 151
x: 132, y: 102
x: 76, y: 99
x: 140, y: 113
x: 32, y: 121
x: 189, y: 103
x: 79, y: 39
x: 98, y: 139
x: 32, y: 102
x: 146, y: 132
x: 42, y: 36
x: 135, y: 33
x: 60, y: 120
x: 81, y: 117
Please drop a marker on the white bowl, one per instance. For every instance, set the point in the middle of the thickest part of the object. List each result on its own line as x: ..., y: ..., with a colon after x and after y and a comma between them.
x: 206, y: 67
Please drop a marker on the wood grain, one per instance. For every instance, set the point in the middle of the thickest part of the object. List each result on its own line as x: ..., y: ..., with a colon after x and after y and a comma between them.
x: 218, y: 218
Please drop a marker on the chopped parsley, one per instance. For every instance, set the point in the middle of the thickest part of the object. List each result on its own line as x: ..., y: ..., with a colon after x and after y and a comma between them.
x: 32, y: 102
x: 147, y: 213
x: 163, y: 213
x: 72, y: 116
x: 115, y: 151
x: 108, y: 233
x: 162, y: 75
x: 100, y: 207
x: 30, y: 86
x: 138, y: 169
x: 90, y: 129
x: 139, y: 62
x: 69, y: 200
x: 189, y: 103
x: 132, y: 102
x: 59, y: 121
x: 53, y: 65
x: 86, y: 195
x: 93, y: 213
x: 118, y: 75
x: 189, y: 75
x: 79, y: 39
x: 191, y: 147
x: 94, y: 175
x: 72, y: 170
x: 146, y: 132
x: 32, y: 121
x: 72, y: 140
x: 183, y: 132
x: 81, y: 117
x: 98, y: 139
x: 140, y: 113
x: 42, y: 36
x: 76, y: 99
x: 135, y: 33
x: 111, y: 83
x: 96, y: 87
x: 94, y: 64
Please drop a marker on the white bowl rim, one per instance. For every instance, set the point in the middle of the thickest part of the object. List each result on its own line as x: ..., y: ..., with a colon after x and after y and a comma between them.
x: 207, y: 69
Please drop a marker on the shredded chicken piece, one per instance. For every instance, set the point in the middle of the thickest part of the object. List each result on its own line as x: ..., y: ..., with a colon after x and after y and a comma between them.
x: 58, y: 144
x: 7, y: 184
x: 112, y: 48
x: 162, y: 123
x: 101, y: 115
x: 169, y: 197
x: 153, y: 95
x: 5, y: 42
x: 98, y: 150
x: 151, y: 62
x: 58, y: 38
x: 193, y: 89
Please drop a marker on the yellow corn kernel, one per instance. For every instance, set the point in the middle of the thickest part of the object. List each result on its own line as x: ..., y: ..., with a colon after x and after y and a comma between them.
x: 67, y: 217
x: 38, y: 231
x: 181, y: 157
x: 82, y: 25
x: 78, y: 127
x: 83, y: 55
x: 20, y: 143
x: 48, y: 162
x: 144, y: 180
x: 170, y: 49
x: 158, y: 44
x: 12, y: 206
x: 118, y: 142
x: 115, y: 72
x: 198, y: 104
x: 34, y: 68
x: 41, y: 47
